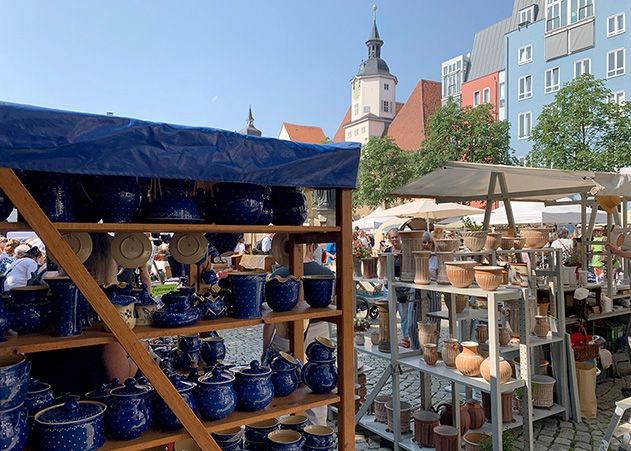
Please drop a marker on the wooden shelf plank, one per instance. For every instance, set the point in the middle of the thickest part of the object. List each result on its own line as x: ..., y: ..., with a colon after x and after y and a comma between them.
x: 299, y: 401
x: 41, y: 342
x: 203, y: 228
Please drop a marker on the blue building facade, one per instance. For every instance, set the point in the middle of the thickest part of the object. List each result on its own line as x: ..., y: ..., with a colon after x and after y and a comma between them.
x: 556, y: 41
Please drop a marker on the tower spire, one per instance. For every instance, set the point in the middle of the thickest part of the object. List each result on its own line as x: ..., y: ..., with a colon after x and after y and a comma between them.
x: 374, y: 42
x: 250, y: 129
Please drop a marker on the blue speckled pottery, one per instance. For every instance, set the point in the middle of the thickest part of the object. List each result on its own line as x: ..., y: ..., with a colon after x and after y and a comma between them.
x: 248, y: 292
x: 75, y: 425
x: 216, y: 397
x: 128, y: 416
x: 317, y: 436
x: 101, y: 394
x: 284, y: 376
x: 318, y: 290
x: 321, y: 349
x: 29, y: 318
x: 13, y: 428
x: 254, y: 387
x: 39, y: 396
x: 175, y: 207
x: 282, y: 293
x: 256, y: 432
x: 14, y: 380
x: 32, y: 294
x: 170, y: 317
x: 284, y: 440
x: 118, y: 198
x: 238, y: 203
x: 54, y: 193
x: 65, y: 307
x: 320, y: 377
x: 267, y: 211
x: 5, y: 320
x: 213, y: 350
x: 294, y: 422
x: 164, y: 416
x: 213, y: 307
x: 289, y: 206
x: 145, y: 307
x: 6, y: 207
x: 223, y: 242
x: 228, y: 435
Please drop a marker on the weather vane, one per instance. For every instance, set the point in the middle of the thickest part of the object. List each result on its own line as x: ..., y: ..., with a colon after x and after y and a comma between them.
x: 374, y: 12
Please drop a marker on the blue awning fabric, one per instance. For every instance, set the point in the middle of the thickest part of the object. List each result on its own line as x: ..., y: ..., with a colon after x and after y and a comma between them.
x: 41, y: 139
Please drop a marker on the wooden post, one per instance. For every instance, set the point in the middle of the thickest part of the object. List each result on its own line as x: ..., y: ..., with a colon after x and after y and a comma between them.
x: 297, y: 328
x: 47, y: 232
x: 345, y: 340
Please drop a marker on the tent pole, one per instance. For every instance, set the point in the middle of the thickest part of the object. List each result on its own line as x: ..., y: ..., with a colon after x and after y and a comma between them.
x: 507, y: 205
x: 583, y: 231
x: 489, y: 202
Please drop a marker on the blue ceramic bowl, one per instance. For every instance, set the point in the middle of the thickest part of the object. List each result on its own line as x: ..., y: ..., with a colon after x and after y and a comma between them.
x: 238, y: 203
x: 13, y: 428
x: 321, y: 349
x: 213, y: 308
x: 228, y: 435
x: 282, y: 293
x: 14, y: 380
x: 257, y: 432
x: 320, y: 377
x: 284, y: 440
x: 294, y: 422
x: 317, y: 436
x: 215, y: 396
x: 174, y: 318
x: 73, y: 425
x: 318, y: 290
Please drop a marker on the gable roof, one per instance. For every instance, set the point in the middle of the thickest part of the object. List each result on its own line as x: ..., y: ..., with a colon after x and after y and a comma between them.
x: 304, y: 133
x: 408, y: 128
x: 339, y: 134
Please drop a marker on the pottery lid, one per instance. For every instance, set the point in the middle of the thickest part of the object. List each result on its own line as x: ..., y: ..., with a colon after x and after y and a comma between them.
x: 426, y: 416
x: 70, y: 412
x: 130, y: 389
x: 180, y: 384
x: 217, y: 376
x: 37, y: 386
x: 123, y: 300
x: 325, y: 342
x: 102, y: 392
x: 114, y: 383
x: 255, y: 369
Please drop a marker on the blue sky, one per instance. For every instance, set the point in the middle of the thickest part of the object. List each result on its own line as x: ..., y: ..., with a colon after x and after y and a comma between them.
x: 203, y: 62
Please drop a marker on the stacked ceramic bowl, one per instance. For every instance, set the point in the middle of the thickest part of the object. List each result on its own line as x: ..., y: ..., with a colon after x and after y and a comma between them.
x: 230, y: 439
x: 256, y: 433
x: 14, y: 385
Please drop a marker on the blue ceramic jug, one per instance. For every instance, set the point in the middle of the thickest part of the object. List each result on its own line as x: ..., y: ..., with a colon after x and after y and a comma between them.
x: 213, y: 350
x: 320, y: 377
x: 248, y: 292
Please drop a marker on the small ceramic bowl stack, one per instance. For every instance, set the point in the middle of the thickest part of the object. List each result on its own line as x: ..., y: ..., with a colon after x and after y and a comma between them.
x: 284, y: 440
x: 320, y: 373
x: 319, y: 438
x: 229, y: 439
x: 488, y: 277
x: 294, y: 422
x: 255, y: 433
x: 14, y: 385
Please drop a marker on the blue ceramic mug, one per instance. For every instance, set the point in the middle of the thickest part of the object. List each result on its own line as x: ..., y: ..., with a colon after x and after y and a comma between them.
x: 257, y: 432
x: 213, y: 350
x: 248, y: 291
x: 318, y: 290
x: 321, y: 349
x: 13, y: 428
x: 294, y: 422
x: 284, y: 440
x: 14, y: 380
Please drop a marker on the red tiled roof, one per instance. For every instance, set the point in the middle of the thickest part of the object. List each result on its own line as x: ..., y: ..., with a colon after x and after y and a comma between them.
x: 339, y: 134
x: 408, y: 127
x: 304, y: 133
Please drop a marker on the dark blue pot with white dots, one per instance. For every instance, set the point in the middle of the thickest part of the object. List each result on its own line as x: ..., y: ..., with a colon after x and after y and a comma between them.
x: 13, y: 428
x: 14, y: 380
x: 284, y: 375
x: 164, y: 416
x: 39, y: 396
x: 254, y: 387
x: 213, y: 350
x: 215, y: 396
x: 72, y: 425
x: 289, y: 206
x: 318, y: 290
x: 320, y: 377
x: 282, y: 293
x: 248, y: 292
x: 129, y: 416
x: 65, y: 307
x: 118, y: 198
x: 54, y: 193
x: 238, y: 203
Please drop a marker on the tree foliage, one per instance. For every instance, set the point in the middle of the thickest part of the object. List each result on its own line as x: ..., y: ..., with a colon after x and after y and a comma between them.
x: 383, y: 167
x: 582, y: 130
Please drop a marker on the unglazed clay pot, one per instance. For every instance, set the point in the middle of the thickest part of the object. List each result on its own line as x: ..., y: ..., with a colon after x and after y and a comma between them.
x: 504, y: 336
x: 462, y: 301
x: 441, y: 276
x: 476, y: 414
x: 461, y: 274
x: 488, y: 277
x: 505, y: 370
x: 451, y: 349
x: 410, y: 241
x: 446, y: 438
x: 427, y: 332
x: 445, y: 410
x: 447, y: 244
x: 492, y: 241
x: 421, y: 265
x: 474, y: 240
x: 535, y: 237
x: 542, y: 327
x: 482, y: 333
x: 430, y: 353
x: 424, y: 424
x: 468, y: 361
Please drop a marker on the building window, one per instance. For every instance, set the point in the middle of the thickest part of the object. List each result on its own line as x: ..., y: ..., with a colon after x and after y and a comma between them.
x: 525, y: 87
x: 583, y: 66
x: 476, y: 98
x: 349, y: 134
x: 616, y: 97
x: 527, y: 15
x: 356, y: 132
x: 525, y: 125
x: 525, y: 54
x: 615, y: 63
x: 486, y: 95
x: 363, y: 129
x: 356, y: 109
x: 366, y: 109
x: 502, y: 95
x: 581, y: 9
x: 553, y: 15
x: 386, y: 87
x: 386, y: 106
x: 553, y: 80
x: 615, y: 25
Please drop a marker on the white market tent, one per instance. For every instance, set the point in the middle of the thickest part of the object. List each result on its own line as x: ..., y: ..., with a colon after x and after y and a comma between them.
x: 373, y: 220
x: 429, y: 209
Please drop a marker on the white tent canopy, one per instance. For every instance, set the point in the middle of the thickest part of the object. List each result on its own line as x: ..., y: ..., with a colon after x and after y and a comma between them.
x: 538, y: 213
x: 372, y: 220
x: 429, y: 209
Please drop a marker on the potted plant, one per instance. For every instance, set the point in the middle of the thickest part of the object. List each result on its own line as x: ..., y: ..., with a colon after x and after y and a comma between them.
x: 360, y: 326
x: 475, y: 237
x: 359, y: 252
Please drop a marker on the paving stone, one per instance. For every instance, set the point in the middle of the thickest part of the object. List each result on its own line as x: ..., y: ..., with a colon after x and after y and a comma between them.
x: 566, y: 434
x: 562, y: 442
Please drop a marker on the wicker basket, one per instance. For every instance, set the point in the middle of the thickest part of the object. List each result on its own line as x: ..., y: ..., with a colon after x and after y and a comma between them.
x: 406, y: 416
x: 542, y: 391
x: 583, y: 349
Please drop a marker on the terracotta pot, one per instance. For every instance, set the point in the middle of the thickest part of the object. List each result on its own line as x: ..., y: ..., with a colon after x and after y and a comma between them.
x: 461, y: 274
x: 379, y: 406
x: 507, y: 406
x: 542, y: 326
x: 427, y: 332
x: 447, y: 244
x: 369, y: 267
x: 473, y: 441
x: 543, y: 308
x: 410, y: 241
x: 446, y: 438
x: 424, y: 424
x: 430, y: 353
x: 445, y: 410
x: 468, y: 361
x: 482, y: 333
x: 474, y: 240
x: 451, y: 349
x: 492, y: 241
x: 443, y: 257
x: 519, y: 242
x: 520, y: 274
x: 536, y: 237
x: 476, y: 414
x: 384, y: 326
x: 405, y: 409
x: 504, y: 336
x: 506, y: 243
x: 505, y: 370
x: 421, y: 265
x: 488, y: 277
x: 462, y: 301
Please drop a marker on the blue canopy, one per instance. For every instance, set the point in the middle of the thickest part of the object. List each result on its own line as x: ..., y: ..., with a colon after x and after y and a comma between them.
x: 41, y: 139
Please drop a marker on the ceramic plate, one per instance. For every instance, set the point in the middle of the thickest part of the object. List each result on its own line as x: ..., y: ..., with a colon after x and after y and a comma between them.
x: 80, y: 243
x: 188, y: 247
x: 131, y: 250
x: 280, y: 248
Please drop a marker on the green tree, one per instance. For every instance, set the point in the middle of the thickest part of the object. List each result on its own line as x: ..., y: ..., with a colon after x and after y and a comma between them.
x: 463, y: 134
x: 383, y: 167
x: 582, y: 130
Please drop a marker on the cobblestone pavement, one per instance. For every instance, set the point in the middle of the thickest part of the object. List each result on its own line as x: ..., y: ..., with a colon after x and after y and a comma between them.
x: 244, y: 345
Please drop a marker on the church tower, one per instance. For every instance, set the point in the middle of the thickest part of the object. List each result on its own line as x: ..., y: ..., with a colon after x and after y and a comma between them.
x: 373, y: 102
x: 250, y: 129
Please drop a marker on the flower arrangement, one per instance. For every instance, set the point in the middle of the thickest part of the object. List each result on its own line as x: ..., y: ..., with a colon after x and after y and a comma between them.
x: 360, y: 251
x: 470, y: 225
x: 361, y: 324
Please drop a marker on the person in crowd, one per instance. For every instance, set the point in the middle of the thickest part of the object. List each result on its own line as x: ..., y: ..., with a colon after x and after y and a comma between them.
x: 23, y: 268
x: 331, y: 251
x: 240, y: 247
x: 361, y: 236
x: 276, y: 336
x: 597, y: 260
x: 564, y: 243
x: 7, y: 254
x: 266, y: 243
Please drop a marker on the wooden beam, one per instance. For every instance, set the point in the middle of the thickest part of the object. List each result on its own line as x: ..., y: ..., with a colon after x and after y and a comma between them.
x: 315, y: 237
x: 297, y: 328
x: 345, y: 340
x: 30, y: 210
x: 507, y: 205
x: 489, y: 202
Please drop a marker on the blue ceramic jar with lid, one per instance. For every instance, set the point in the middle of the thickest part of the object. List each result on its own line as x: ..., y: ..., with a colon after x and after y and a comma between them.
x: 164, y: 416
x: 254, y: 387
x: 129, y: 416
x: 39, y: 396
x: 216, y: 397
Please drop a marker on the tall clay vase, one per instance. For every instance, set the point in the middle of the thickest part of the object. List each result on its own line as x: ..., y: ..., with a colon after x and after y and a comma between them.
x: 369, y: 267
x: 505, y: 370
x: 427, y: 333
x: 468, y: 361
x: 384, y: 326
x: 410, y: 241
x: 451, y: 349
x: 482, y: 333
x: 443, y: 257
x: 542, y: 326
x: 421, y: 266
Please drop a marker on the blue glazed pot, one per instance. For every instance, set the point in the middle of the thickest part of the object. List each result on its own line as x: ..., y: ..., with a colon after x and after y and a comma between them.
x: 318, y: 290
x: 228, y: 435
x: 129, y: 416
x: 6, y: 207
x: 223, y: 242
x: 282, y: 293
x: 5, y: 320
x: 257, y: 432
x: 175, y: 207
x: 13, y: 428
x: 145, y: 307
x: 213, y: 350
x: 254, y: 387
x: 39, y: 396
x: 320, y: 377
x: 101, y: 394
x: 238, y: 203
x: 73, y: 425
x: 321, y: 349
x: 289, y: 206
x: 164, y: 416
x: 65, y: 307
x: 294, y: 422
x: 282, y: 362
x: 118, y: 198
x: 33, y: 294
x: 29, y: 318
x: 189, y: 343
x: 54, y: 193
x: 284, y: 381
x: 317, y: 436
x: 254, y: 446
x: 267, y: 212
x: 216, y: 397
x: 174, y: 317
x: 14, y: 380
x: 209, y: 277
x: 284, y: 440
x: 248, y: 292
x: 213, y: 307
